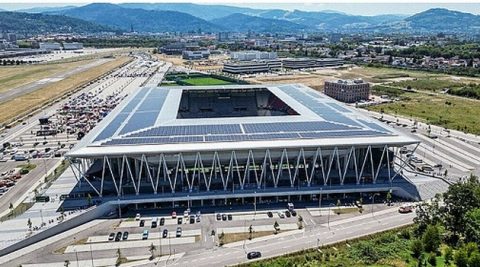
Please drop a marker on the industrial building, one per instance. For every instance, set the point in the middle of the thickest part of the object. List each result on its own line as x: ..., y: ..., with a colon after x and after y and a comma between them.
x: 195, y: 55
x: 212, y: 145
x: 72, y: 46
x: 308, y: 63
x: 256, y: 66
x: 348, y: 91
x: 252, y: 55
x: 50, y: 46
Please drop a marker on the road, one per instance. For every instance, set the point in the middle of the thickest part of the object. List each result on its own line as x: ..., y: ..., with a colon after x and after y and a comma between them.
x: 320, y: 235
x: 205, y: 253
x: 27, y: 181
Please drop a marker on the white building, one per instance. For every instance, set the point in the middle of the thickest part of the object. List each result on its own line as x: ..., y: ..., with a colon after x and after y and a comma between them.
x: 50, y: 46
x: 253, y: 55
x: 72, y: 46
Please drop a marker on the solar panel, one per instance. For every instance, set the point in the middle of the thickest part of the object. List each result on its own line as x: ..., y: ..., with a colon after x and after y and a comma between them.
x: 340, y: 134
x: 112, y: 127
x: 338, y: 107
x: 140, y: 120
x: 375, y: 126
x: 306, y: 126
x: 190, y: 130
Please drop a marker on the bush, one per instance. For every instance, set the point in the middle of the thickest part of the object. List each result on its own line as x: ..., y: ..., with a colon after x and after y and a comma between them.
x: 432, y: 259
x: 431, y: 239
x: 448, y: 256
x: 461, y: 258
x: 417, y: 248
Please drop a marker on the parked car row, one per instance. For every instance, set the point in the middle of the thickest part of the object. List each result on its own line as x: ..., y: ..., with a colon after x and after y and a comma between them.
x: 118, y: 236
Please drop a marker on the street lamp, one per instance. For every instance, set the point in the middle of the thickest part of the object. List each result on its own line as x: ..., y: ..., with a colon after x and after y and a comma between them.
x: 320, y: 202
x: 373, y: 201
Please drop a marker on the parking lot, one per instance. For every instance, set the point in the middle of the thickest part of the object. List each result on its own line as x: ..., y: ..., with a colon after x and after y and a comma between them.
x: 42, y: 139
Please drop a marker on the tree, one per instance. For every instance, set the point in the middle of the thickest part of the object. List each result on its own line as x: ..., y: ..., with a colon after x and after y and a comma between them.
x: 389, y: 197
x: 276, y: 226
x: 221, y: 238
x: 474, y: 259
x: 417, y: 248
x: 472, y: 226
x: 448, y: 255
x: 300, y: 222
x: 89, y: 199
x: 432, y: 259
x: 458, y: 201
x: 152, y: 251
x: 461, y: 258
x: 431, y: 239
x: 427, y: 214
x: 119, y: 258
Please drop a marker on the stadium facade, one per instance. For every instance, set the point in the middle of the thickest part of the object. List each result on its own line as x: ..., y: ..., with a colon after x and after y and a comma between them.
x: 235, y: 142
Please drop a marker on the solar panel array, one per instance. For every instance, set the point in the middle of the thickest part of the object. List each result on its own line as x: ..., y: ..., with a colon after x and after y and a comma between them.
x: 306, y: 126
x: 142, y: 112
x: 375, y: 126
x: 331, y: 112
x: 146, y: 112
x: 240, y: 137
x: 190, y: 130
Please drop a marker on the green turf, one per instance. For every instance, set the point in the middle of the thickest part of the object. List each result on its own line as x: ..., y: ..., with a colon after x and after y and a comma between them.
x: 205, y: 81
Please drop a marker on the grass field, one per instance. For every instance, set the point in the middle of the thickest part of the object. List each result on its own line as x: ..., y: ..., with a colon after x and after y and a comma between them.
x: 205, y: 81
x: 28, y: 102
x: 443, y: 110
x: 15, y: 76
x: 391, y: 248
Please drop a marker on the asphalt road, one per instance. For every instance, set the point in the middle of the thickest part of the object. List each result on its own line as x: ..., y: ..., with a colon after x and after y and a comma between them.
x: 26, y: 182
x: 274, y: 247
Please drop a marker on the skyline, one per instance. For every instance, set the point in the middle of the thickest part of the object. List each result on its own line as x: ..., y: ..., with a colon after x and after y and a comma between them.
x: 366, y: 9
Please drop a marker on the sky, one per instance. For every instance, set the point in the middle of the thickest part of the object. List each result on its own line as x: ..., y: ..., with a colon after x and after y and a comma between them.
x: 372, y: 7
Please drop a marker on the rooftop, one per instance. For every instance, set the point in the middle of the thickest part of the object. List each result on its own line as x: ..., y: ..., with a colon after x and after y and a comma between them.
x: 158, y: 119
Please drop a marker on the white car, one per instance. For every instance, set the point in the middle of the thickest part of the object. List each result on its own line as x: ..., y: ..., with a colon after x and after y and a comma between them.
x: 137, y: 218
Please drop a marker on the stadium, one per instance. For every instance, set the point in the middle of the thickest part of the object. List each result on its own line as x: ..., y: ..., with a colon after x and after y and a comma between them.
x: 236, y: 144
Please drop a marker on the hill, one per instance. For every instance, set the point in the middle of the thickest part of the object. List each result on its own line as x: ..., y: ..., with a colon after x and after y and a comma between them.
x: 44, y: 9
x: 206, y: 12
x: 140, y: 19
x: 243, y: 23
x: 444, y: 20
x: 40, y: 23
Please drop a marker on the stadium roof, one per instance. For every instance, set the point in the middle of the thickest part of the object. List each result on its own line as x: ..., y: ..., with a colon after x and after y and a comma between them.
x: 146, y: 122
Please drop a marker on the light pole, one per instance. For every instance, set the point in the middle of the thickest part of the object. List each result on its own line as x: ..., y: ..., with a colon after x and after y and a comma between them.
x: 41, y: 215
x: 76, y: 253
x: 328, y: 221
x: 91, y: 255
x: 320, y: 202
x: 373, y: 201
x: 254, y: 204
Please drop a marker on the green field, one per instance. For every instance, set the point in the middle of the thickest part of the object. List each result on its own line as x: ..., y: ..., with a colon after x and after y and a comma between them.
x: 443, y: 110
x: 205, y: 81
